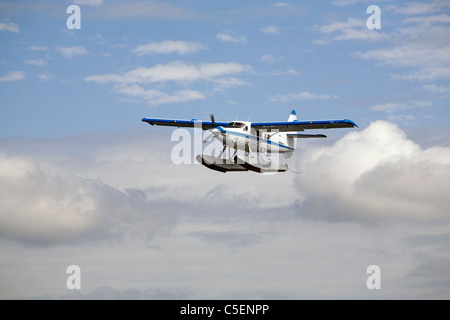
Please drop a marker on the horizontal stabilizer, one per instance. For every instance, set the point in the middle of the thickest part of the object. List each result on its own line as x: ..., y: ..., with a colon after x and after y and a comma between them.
x: 301, y: 135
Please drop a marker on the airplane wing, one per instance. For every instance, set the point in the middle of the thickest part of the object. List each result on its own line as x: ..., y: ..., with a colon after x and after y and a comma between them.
x: 269, y: 126
x: 205, y: 125
x: 303, y: 125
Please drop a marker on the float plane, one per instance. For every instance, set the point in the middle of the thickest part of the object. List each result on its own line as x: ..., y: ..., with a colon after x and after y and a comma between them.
x: 260, y: 138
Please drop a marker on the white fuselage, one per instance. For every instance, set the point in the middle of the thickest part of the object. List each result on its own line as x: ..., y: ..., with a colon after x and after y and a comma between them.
x: 242, y: 137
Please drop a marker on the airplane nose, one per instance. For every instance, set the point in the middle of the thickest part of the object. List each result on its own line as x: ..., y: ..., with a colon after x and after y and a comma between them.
x: 215, y: 132
x: 218, y: 131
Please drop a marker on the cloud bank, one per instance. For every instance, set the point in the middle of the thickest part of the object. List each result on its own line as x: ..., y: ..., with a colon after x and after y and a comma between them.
x: 141, y: 226
x: 46, y: 206
x: 374, y: 176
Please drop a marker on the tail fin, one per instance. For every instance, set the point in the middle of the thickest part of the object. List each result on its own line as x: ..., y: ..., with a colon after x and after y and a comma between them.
x: 291, y: 142
x: 292, y: 116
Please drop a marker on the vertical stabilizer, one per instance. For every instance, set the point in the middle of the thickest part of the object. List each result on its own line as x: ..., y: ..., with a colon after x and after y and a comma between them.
x: 292, y: 116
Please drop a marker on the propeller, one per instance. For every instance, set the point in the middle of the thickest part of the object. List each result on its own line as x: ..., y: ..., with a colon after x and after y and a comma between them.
x: 214, y: 125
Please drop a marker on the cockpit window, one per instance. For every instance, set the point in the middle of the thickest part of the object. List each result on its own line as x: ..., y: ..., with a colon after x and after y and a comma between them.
x: 245, y: 128
x: 237, y: 124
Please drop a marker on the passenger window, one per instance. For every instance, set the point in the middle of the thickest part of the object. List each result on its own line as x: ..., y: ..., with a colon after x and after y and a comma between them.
x: 245, y: 128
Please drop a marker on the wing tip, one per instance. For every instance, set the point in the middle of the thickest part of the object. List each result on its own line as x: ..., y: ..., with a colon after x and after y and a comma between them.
x: 147, y: 120
x: 351, y: 122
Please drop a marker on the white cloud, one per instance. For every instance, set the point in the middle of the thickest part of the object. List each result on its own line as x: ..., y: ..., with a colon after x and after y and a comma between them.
x: 224, y: 83
x: 169, y: 46
x: 343, y: 3
x: 13, y: 76
x: 233, y: 102
x: 149, y: 9
x: 391, y: 107
x: 436, y: 88
x: 73, y: 51
x: 399, y: 56
x: 288, y: 72
x: 38, y: 48
x: 174, y: 71
x: 129, y: 83
x: 156, y: 216
x: 421, y: 48
x: 430, y: 61
x: 10, y: 27
x: 442, y: 91
x: 272, y: 29
x: 45, y: 76
x: 421, y: 7
x: 268, y: 58
x: 339, y: 26
x: 280, y: 4
x: 359, y: 34
x: 156, y: 97
x: 301, y: 96
x: 38, y: 62
x: 229, y: 37
x: 401, y: 118
x: 352, y: 29
x: 94, y: 3
x: 428, y: 20
x: 376, y: 175
x: 44, y: 205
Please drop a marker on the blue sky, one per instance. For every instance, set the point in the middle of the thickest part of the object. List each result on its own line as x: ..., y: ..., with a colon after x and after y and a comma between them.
x: 317, y: 58
x: 83, y: 181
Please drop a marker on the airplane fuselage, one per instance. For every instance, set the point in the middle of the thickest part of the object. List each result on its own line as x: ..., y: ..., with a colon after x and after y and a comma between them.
x: 242, y: 137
